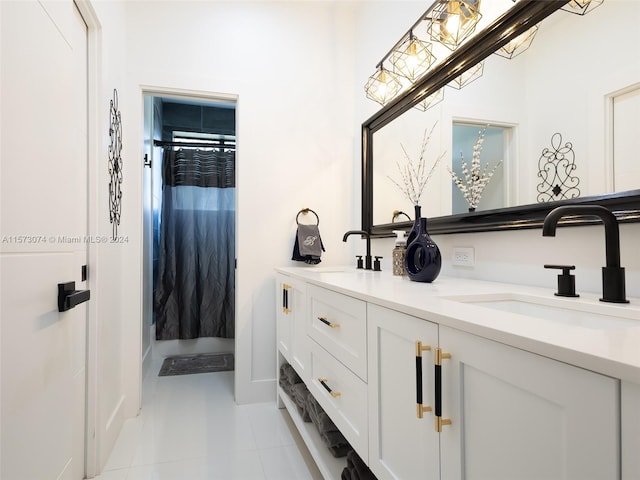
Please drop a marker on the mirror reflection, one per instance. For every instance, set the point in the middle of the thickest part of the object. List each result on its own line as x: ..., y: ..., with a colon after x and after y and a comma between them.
x: 577, y: 86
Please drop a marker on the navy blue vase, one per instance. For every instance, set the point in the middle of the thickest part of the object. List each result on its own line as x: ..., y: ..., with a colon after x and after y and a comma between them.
x: 422, y: 259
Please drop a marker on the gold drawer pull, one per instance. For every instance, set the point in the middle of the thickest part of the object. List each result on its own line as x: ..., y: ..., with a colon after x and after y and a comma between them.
x: 420, y: 408
x: 438, y: 356
x: 327, y: 322
x: 333, y: 393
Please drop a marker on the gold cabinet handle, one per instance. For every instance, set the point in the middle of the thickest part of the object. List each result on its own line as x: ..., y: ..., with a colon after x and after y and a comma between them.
x: 333, y: 393
x: 420, y: 408
x: 438, y: 356
x: 327, y: 322
x: 285, y: 298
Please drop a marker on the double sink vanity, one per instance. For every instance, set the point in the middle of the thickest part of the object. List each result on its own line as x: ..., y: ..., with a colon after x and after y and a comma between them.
x: 463, y: 378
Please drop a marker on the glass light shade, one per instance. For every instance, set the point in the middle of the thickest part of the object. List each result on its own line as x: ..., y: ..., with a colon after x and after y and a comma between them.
x: 467, y: 77
x: 518, y: 45
x: 431, y: 100
x: 412, y: 58
x: 382, y: 86
x: 581, y: 7
x: 452, y: 21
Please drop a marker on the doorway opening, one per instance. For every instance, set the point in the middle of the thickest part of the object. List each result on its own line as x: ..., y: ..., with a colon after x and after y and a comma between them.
x: 189, y: 225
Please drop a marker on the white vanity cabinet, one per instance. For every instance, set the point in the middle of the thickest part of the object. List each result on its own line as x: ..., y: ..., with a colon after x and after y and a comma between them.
x: 291, y: 316
x: 513, y: 414
x: 508, y: 409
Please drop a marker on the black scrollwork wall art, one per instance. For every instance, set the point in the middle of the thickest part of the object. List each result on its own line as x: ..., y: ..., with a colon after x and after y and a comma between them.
x: 555, y: 169
x: 115, y: 164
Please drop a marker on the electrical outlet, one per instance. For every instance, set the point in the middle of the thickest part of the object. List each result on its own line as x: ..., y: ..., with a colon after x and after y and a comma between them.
x: 463, y: 256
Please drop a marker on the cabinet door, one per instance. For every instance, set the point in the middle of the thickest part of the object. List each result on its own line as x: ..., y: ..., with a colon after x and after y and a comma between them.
x: 517, y: 415
x: 401, y: 445
x: 290, y: 322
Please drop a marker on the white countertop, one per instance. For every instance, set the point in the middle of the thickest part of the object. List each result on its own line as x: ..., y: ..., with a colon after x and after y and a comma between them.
x: 612, y: 350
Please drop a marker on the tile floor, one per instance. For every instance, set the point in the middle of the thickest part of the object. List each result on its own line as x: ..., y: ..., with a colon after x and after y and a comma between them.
x: 191, y: 429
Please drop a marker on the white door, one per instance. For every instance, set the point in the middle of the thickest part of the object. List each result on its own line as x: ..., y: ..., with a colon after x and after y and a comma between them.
x: 43, y: 224
x: 517, y: 415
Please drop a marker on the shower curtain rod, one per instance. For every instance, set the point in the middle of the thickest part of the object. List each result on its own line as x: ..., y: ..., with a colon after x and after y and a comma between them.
x: 160, y: 143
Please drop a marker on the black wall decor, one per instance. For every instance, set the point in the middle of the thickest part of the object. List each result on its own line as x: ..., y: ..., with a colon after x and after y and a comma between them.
x: 115, y: 164
x: 555, y: 168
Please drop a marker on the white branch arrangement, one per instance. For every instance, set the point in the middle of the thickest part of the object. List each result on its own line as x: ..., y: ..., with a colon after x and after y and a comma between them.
x: 473, y: 182
x: 414, y: 174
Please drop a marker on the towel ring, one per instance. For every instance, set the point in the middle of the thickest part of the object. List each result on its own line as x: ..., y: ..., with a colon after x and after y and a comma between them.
x: 305, y: 211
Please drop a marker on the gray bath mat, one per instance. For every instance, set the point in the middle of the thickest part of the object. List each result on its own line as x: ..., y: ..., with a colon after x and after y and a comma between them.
x: 197, y: 363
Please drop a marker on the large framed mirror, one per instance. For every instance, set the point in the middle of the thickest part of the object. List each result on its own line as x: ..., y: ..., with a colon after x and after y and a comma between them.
x: 577, y: 86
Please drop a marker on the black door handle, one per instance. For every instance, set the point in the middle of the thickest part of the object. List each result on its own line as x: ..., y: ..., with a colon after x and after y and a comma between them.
x: 69, y: 297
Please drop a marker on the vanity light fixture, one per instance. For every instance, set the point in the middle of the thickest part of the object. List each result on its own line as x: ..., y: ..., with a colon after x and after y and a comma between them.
x: 382, y: 86
x: 453, y: 21
x: 412, y: 58
x: 432, y: 100
x: 518, y: 45
x: 467, y: 77
x: 581, y: 7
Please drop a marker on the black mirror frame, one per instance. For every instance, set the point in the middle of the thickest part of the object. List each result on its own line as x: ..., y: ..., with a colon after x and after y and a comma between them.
x: 522, y: 16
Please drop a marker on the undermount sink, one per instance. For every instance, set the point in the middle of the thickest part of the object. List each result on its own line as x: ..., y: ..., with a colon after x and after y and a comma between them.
x: 575, y: 312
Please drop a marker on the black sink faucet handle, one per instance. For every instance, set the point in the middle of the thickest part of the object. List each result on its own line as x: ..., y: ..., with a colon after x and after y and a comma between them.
x: 367, y: 236
x: 376, y: 264
x: 566, y: 281
x: 613, y: 282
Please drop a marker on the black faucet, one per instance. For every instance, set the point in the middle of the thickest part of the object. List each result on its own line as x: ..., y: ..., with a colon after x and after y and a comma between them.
x: 367, y: 259
x: 613, y: 283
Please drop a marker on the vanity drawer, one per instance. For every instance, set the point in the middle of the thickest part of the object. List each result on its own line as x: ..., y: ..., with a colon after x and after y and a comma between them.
x: 339, y: 323
x: 346, y: 403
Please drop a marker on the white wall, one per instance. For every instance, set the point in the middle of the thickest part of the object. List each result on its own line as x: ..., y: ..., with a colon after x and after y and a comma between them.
x: 290, y: 64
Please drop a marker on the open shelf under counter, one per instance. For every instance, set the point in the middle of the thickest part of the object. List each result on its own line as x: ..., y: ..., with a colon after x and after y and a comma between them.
x: 330, y: 467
